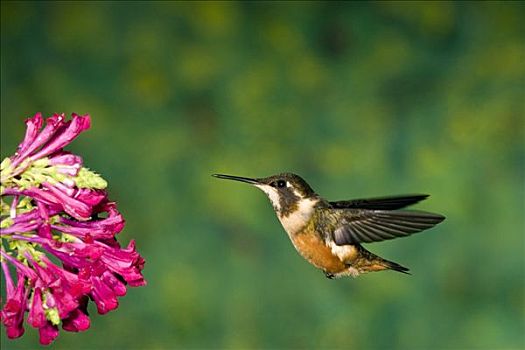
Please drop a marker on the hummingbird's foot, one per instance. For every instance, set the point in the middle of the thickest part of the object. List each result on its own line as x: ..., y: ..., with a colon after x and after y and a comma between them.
x: 329, y: 275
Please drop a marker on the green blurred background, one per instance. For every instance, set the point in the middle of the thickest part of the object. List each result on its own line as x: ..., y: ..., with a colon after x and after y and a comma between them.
x: 361, y: 99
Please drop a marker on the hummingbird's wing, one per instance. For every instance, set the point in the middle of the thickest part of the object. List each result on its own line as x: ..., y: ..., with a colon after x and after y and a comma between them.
x: 380, y: 203
x: 353, y: 226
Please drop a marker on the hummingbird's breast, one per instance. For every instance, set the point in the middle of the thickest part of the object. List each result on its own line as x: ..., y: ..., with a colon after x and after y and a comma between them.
x: 300, y: 226
x: 313, y: 248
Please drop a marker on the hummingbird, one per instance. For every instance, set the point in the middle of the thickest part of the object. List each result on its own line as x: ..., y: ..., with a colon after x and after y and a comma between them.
x: 329, y: 234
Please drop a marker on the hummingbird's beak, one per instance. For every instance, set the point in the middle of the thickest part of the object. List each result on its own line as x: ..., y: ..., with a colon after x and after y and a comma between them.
x: 237, y: 178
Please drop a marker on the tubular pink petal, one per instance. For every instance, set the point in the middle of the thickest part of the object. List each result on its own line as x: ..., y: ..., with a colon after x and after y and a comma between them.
x: 52, y: 125
x: 89, y: 196
x: 70, y: 280
x: 72, y: 130
x: 16, y: 331
x: 44, y: 231
x: 66, y: 163
x: 73, y: 207
x: 96, y: 228
x: 114, y: 283
x: 42, y: 210
x: 125, y: 262
x: 77, y: 321
x: 20, y: 227
x: 103, y: 295
x: 48, y: 333
x: 68, y: 191
x: 66, y: 302
x: 26, y: 217
x: 37, y: 317
x: 33, y: 126
x: 74, y: 254
x: 12, y: 313
x: 65, y: 158
x: 9, y: 286
x: 83, y: 232
x: 60, y: 293
x: 70, y: 170
x: 22, y: 270
x: 42, y: 196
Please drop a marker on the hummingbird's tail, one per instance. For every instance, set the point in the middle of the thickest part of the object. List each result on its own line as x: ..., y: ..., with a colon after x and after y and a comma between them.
x: 396, y: 267
x: 370, y: 262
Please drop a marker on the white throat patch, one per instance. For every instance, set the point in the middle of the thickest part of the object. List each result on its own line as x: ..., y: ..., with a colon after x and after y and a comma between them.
x: 298, y: 219
x: 272, y: 194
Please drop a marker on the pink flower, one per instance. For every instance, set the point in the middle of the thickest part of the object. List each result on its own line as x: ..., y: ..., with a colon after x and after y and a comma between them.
x: 60, y: 208
x: 56, y: 134
x: 12, y: 314
x: 77, y: 321
x: 96, y: 228
x: 37, y: 317
x: 48, y: 332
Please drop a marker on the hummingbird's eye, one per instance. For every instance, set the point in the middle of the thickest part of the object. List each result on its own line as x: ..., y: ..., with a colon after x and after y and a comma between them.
x: 281, y: 183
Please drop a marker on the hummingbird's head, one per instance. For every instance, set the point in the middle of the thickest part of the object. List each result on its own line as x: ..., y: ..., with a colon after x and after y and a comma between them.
x: 285, y: 190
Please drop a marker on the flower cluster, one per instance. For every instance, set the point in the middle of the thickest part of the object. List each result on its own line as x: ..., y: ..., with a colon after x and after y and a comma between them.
x: 57, y: 233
